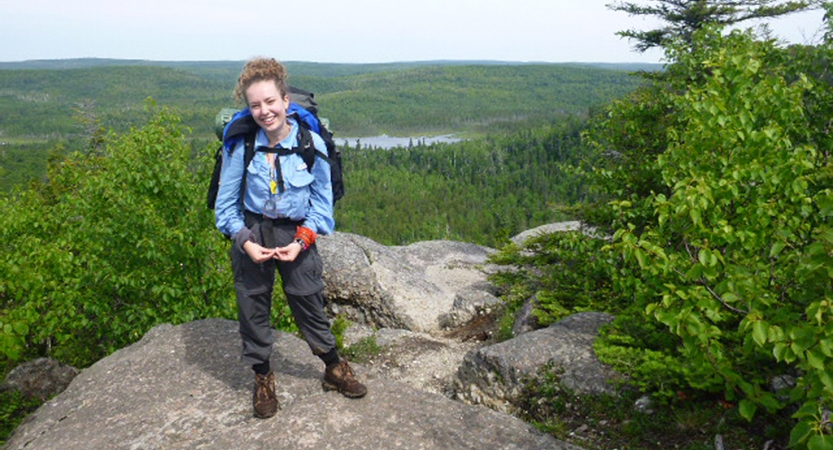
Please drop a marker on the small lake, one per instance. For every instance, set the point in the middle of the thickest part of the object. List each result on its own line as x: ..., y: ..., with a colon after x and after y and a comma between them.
x: 387, y: 142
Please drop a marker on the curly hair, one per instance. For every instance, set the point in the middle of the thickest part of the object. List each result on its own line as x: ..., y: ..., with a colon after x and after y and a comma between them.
x: 261, y: 69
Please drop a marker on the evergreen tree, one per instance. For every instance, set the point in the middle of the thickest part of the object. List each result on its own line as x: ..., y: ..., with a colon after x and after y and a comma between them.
x: 684, y: 17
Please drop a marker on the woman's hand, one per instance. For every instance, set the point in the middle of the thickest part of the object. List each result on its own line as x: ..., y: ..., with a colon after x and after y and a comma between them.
x: 257, y: 252
x: 288, y: 253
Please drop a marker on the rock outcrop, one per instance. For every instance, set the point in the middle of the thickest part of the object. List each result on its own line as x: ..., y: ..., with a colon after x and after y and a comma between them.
x: 182, y: 387
x: 41, y: 378
x: 405, y: 287
x: 549, y: 228
x: 495, y: 375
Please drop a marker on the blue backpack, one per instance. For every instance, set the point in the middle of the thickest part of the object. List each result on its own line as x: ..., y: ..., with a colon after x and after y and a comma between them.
x: 232, y: 125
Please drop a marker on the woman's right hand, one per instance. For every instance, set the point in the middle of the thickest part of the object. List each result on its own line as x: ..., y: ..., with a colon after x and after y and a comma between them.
x: 257, y: 252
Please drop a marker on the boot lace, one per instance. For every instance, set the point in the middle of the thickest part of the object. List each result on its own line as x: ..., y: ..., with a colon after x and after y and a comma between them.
x: 263, y: 390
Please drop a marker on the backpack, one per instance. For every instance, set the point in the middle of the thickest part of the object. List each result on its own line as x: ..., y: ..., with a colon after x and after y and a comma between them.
x: 231, y: 124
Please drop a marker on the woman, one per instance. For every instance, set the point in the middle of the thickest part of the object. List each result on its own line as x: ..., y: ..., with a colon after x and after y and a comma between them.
x: 273, y: 224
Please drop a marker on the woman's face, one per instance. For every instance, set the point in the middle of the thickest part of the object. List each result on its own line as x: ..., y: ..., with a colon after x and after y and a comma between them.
x: 268, y: 109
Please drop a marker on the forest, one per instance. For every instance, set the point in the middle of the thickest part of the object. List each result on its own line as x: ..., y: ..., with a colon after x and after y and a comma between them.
x: 41, y: 108
x: 708, y: 184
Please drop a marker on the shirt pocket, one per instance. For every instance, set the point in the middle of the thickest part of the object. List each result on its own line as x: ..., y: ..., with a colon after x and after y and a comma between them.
x: 257, y: 179
x: 296, y: 175
x: 298, y: 183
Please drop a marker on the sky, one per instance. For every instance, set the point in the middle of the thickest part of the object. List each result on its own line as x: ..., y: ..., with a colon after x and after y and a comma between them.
x: 337, y: 31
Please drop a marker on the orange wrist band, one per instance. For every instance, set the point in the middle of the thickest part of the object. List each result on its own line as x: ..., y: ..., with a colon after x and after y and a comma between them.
x: 305, y: 234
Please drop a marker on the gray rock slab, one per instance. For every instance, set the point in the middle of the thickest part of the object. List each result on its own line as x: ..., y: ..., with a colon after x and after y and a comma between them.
x: 494, y: 375
x: 549, y: 228
x: 40, y: 378
x: 558, y: 227
x: 406, y: 287
x: 183, y: 387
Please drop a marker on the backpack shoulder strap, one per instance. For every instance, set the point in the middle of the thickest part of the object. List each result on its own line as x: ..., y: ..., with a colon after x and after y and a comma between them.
x: 248, y: 149
x: 306, y: 147
x: 248, y: 155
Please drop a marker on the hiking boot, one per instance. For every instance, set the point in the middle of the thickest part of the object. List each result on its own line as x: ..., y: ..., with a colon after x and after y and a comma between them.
x: 339, y: 377
x: 264, y: 399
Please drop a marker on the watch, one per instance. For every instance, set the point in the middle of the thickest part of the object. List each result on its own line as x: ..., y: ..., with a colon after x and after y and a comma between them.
x: 301, y: 242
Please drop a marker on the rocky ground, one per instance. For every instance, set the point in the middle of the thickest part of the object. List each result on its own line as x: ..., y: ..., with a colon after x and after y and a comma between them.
x: 133, y: 401
x: 424, y: 361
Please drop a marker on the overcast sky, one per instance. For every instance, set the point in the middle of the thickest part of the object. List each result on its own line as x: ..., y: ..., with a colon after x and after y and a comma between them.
x: 346, y: 31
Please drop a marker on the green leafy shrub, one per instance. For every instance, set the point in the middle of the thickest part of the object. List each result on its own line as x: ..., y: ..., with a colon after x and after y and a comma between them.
x: 567, y: 272
x: 622, y: 144
x: 108, y: 246
x: 731, y: 253
x: 608, y: 422
x: 339, y: 326
x: 647, y: 354
x: 715, y: 181
x: 358, y: 352
x: 13, y: 408
x: 364, y: 349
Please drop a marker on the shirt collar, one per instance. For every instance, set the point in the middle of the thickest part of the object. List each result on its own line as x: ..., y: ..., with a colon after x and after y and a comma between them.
x: 290, y: 141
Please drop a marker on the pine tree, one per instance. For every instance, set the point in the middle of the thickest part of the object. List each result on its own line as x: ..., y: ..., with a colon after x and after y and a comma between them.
x: 684, y: 17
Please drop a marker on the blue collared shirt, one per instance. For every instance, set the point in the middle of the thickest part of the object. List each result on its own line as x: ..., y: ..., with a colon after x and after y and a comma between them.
x: 308, y: 197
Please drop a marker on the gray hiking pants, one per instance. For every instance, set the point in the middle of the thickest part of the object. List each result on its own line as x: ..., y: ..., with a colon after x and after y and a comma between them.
x: 302, y: 284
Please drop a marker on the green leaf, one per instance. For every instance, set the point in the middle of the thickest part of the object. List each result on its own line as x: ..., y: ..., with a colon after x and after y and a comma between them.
x: 826, y: 379
x: 826, y: 346
x: 800, y: 433
x: 640, y: 258
x: 783, y: 352
x: 803, y: 338
x: 815, y: 359
x: 695, y: 216
x: 808, y: 409
x: 704, y: 256
x: 820, y: 442
x: 776, y: 248
x: 747, y: 409
x: 775, y: 334
x: 759, y: 332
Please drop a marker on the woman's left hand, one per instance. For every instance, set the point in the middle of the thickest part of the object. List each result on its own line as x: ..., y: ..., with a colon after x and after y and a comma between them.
x: 288, y: 253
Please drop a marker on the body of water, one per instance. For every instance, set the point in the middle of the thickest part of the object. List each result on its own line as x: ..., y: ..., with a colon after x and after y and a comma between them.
x: 387, y: 142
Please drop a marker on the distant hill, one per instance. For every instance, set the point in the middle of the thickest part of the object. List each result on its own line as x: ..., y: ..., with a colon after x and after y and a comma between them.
x: 299, y: 67
x: 49, y: 102
x: 407, y: 98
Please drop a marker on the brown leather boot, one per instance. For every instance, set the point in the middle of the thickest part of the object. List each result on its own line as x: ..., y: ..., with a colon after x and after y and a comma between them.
x: 264, y: 399
x: 339, y: 377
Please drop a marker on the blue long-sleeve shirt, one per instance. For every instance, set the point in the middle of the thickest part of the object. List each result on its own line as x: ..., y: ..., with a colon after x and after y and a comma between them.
x: 308, y: 196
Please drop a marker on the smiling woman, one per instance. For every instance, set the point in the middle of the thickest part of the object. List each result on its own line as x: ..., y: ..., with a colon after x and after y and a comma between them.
x: 273, y: 207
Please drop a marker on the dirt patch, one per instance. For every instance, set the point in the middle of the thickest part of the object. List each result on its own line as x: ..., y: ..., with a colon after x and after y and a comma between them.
x: 481, y: 328
x: 422, y: 361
